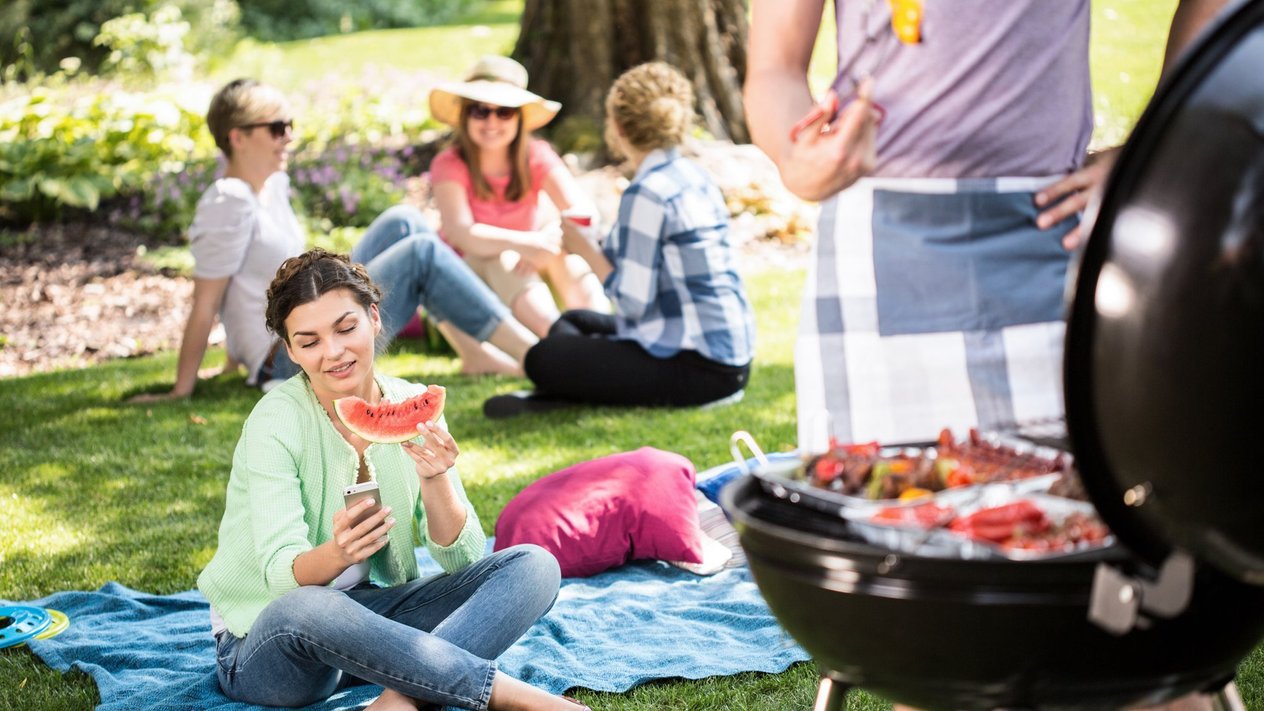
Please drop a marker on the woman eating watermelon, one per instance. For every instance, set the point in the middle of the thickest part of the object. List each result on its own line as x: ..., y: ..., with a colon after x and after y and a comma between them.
x: 245, y: 227
x: 309, y: 596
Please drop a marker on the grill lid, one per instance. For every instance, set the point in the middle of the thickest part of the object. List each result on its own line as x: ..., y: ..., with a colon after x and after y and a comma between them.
x: 1164, y: 365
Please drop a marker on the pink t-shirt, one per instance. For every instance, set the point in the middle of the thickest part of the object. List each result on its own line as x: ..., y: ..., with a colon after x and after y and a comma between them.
x: 517, y: 215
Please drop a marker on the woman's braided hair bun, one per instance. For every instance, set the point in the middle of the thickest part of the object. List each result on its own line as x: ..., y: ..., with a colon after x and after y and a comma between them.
x: 309, y: 276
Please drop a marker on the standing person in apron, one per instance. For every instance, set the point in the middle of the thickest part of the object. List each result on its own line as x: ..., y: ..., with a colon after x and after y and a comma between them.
x: 951, y: 182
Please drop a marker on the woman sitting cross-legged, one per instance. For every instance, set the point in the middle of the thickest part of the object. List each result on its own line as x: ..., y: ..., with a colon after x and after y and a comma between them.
x: 682, y: 332
x: 245, y: 227
x: 308, y: 596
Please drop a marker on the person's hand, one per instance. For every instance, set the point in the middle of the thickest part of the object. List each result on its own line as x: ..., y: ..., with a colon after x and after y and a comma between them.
x: 355, y: 544
x: 1073, y: 194
x: 825, y: 156
x: 437, y: 452
x: 576, y: 237
x: 229, y: 366
x: 215, y: 371
x: 537, y: 255
x: 145, y: 398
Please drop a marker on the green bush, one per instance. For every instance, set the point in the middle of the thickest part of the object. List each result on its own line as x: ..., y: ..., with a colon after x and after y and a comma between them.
x: 142, y: 157
x: 75, y: 145
x: 41, y: 33
x: 280, y: 20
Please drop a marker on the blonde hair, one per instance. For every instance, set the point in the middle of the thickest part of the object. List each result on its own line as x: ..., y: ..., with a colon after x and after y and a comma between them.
x: 519, y: 174
x: 238, y: 103
x: 652, y: 104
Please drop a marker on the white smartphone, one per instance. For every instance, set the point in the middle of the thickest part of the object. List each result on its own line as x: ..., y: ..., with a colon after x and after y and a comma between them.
x: 356, y: 493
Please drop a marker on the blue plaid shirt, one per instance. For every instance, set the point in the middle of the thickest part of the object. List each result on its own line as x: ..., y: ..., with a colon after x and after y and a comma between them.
x: 674, y: 284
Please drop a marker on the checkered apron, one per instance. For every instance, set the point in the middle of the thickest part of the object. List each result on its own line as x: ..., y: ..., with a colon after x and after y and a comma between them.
x: 930, y: 303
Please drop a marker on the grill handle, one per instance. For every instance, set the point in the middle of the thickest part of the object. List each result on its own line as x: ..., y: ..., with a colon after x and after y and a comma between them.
x: 739, y: 438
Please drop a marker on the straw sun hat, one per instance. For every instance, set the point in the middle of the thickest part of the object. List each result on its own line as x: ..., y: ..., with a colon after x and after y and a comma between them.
x: 494, y: 80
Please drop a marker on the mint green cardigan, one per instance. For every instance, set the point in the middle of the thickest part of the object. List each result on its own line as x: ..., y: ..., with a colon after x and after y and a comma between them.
x: 289, y: 470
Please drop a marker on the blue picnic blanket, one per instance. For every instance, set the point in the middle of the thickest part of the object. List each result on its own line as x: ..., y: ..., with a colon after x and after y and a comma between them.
x: 610, y: 632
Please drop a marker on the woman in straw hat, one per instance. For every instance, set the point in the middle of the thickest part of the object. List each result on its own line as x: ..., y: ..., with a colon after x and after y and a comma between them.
x: 682, y: 332
x: 487, y: 187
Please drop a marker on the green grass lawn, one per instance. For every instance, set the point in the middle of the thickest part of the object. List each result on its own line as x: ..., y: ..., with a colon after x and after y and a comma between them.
x: 445, y: 50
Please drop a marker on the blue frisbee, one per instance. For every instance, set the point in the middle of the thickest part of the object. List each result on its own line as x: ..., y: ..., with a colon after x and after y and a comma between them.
x: 19, y: 623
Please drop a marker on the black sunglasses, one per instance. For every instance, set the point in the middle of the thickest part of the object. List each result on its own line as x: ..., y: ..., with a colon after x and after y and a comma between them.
x: 482, y: 111
x: 276, y: 128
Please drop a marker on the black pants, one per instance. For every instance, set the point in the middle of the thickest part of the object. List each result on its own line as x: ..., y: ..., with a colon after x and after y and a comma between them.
x: 580, y: 360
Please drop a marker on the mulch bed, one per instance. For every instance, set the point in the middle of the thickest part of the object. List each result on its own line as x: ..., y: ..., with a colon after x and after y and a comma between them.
x: 76, y: 295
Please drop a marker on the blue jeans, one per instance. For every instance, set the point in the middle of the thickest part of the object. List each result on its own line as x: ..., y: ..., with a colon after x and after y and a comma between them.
x: 415, y: 269
x: 430, y: 639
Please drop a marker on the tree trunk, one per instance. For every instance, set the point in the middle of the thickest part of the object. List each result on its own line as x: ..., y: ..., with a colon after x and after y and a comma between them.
x: 575, y: 49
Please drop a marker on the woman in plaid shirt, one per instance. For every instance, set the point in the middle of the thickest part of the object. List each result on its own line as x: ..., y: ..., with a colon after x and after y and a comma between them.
x: 682, y: 331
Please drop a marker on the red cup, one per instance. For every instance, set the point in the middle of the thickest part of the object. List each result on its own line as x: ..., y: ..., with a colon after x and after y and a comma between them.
x: 582, y: 219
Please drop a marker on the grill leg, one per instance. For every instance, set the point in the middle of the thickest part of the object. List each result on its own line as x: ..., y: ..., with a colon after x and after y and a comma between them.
x: 831, y: 695
x: 1228, y: 699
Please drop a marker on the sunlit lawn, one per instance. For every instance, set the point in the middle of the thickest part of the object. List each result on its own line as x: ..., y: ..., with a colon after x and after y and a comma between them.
x: 445, y: 51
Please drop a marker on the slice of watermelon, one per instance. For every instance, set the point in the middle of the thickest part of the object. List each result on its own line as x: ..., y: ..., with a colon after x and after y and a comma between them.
x: 390, y: 421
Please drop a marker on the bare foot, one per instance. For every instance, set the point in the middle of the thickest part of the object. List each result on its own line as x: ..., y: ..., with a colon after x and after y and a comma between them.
x: 482, y: 358
x: 510, y: 694
x: 394, y: 701
x: 489, y: 360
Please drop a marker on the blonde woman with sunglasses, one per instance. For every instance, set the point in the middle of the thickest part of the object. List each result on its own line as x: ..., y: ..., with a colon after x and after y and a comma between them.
x: 487, y: 187
x: 245, y: 227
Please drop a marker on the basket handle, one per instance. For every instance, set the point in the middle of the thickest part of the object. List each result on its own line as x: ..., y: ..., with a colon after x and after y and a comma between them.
x: 739, y: 438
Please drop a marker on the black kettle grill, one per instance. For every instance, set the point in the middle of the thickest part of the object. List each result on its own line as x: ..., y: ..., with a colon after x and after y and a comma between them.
x: 1164, y: 377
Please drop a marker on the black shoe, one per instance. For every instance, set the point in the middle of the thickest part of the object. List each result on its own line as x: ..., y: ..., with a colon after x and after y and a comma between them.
x: 501, y: 407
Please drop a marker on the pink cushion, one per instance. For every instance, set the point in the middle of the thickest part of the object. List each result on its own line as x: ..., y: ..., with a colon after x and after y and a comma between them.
x: 602, y: 513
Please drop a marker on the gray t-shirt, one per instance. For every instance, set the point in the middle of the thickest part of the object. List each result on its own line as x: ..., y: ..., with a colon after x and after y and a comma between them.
x: 995, y: 88
x: 245, y: 237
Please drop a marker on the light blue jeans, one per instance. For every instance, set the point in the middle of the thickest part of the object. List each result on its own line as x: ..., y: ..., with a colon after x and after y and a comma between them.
x: 431, y: 639
x: 415, y: 269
